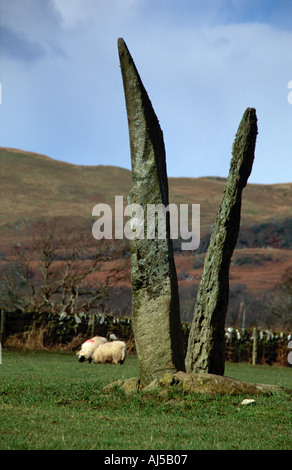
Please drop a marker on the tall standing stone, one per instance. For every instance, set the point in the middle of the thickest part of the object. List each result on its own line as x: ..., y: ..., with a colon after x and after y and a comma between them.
x: 206, y: 343
x: 155, y: 301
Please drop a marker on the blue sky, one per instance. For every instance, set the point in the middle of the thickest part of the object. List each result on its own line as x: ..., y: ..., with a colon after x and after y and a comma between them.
x: 203, y: 62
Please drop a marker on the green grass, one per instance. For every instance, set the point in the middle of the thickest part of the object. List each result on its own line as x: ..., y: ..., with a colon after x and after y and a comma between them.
x: 50, y: 401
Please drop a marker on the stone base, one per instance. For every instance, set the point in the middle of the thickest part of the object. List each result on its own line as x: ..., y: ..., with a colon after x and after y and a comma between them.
x: 209, y: 384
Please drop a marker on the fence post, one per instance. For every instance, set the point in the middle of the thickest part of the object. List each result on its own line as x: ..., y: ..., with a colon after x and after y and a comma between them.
x: 1, y: 333
x: 1, y: 325
x: 92, y: 324
x: 254, y: 347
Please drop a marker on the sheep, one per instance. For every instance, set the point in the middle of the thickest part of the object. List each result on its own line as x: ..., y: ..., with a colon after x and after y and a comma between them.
x: 88, y: 348
x: 113, y: 352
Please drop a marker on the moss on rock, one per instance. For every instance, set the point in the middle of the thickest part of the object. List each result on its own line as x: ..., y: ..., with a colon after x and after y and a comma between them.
x: 203, y: 383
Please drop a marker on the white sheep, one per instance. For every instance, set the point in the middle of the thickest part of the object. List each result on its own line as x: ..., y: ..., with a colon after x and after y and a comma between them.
x: 88, y: 348
x: 113, y: 352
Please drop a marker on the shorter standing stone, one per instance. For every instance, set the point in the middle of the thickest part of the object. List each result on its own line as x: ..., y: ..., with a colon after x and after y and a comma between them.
x: 206, y: 344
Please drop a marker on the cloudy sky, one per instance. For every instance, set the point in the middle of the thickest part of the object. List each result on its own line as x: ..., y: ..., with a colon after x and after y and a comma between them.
x: 203, y: 62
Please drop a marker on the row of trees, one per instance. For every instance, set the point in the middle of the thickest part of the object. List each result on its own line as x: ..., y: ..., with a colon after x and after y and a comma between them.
x: 58, y: 270
x: 278, y: 303
x: 271, y: 309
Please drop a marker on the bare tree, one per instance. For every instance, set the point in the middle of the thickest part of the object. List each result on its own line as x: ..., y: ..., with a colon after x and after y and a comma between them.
x: 206, y: 342
x: 61, y: 270
x: 278, y: 304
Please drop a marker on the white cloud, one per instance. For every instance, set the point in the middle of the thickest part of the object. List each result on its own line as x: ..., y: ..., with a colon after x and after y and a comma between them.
x: 81, y: 13
x: 34, y: 18
x: 74, y: 13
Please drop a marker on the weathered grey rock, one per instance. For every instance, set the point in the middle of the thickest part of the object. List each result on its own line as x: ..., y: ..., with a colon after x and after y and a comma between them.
x: 206, y: 339
x: 208, y: 384
x: 155, y: 302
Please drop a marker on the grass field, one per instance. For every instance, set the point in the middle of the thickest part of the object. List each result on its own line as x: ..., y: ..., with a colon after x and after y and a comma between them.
x: 49, y: 401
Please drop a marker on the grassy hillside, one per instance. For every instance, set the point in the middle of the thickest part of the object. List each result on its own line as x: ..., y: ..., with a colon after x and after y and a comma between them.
x: 35, y: 186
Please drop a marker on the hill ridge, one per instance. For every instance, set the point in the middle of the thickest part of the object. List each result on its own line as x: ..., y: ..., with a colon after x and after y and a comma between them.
x: 43, y: 186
